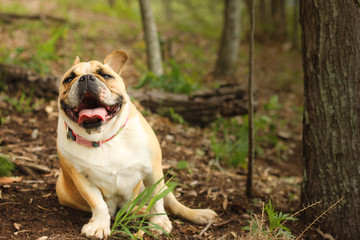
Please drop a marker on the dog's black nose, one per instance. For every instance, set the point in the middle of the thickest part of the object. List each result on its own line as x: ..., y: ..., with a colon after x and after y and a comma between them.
x: 87, y: 77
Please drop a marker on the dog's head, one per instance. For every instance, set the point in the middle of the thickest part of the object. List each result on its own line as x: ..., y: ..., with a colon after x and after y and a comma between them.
x: 92, y: 95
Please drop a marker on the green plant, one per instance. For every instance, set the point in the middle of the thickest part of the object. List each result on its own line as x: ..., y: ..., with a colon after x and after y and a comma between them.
x: 6, y: 167
x: 275, y: 228
x: 174, y: 116
x: 229, y: 140
x: 232, y: 147
x: 47, y: 51
x: 183, y: 164
x: 129, y: 222
x: 173, y: 81
x: 276, y: 219
x: 23, y: 103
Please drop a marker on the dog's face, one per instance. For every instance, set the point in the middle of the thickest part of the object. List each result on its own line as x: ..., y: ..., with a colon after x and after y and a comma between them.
x: 92, y: 94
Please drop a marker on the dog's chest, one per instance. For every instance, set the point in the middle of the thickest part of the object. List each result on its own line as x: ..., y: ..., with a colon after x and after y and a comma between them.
x: 117, y: 166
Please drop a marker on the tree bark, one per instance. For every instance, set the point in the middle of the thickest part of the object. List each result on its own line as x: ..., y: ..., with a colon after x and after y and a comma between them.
x: 153, y: 51
x: 331, y: 133
x: 230, y: 40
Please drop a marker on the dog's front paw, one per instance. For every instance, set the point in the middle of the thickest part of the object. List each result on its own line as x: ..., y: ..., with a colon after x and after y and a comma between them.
x: 98, y: 228
x: 203, y: 216
x: 163, y: 221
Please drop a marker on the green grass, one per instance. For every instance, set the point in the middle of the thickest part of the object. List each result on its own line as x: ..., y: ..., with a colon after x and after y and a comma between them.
x: 173, y: 80
x: 23, y: 103
x: 129, y: 222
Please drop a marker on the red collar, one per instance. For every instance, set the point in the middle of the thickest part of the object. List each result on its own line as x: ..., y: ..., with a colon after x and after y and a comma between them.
x: 82, y: 141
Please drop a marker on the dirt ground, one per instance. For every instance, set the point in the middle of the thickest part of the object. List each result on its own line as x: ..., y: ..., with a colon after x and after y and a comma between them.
x: 30, y: 210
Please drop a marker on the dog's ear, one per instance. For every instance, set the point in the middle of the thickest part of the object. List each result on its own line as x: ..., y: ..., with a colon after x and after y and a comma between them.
x: 116, y: 60
x: 76, y: 61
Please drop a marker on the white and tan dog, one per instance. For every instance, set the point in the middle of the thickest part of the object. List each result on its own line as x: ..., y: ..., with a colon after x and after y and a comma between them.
x: 107, y: 150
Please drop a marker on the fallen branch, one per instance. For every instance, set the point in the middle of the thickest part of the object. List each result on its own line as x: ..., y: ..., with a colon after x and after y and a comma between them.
x: 9, y: 17
x: 201, y: 107
x: 30, y: 169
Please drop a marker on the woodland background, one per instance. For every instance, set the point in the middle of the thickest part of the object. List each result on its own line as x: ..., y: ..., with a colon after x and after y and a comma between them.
x: 39, y: 40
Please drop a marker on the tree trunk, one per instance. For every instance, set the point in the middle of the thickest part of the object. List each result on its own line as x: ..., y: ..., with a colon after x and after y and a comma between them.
x: 331, y: 154
x: 278, y: 14
x: 230, y: 40
x: 154, y: 60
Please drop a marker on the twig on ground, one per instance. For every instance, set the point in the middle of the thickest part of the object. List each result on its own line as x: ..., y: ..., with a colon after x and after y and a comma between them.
x: 205, y: 229
x: 320, y: 216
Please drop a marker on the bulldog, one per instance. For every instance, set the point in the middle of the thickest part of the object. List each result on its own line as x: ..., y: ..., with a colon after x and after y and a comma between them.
x: 107, y: 150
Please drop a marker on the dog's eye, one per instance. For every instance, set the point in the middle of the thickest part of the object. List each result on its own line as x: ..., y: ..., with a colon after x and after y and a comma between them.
x: 68, y: 79
x: 106, y: 76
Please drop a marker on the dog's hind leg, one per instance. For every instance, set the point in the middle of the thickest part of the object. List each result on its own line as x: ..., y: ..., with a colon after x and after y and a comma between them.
x: 198, y: 216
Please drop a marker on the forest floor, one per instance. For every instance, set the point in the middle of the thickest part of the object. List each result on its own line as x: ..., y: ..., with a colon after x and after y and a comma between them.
x: 29, y: 208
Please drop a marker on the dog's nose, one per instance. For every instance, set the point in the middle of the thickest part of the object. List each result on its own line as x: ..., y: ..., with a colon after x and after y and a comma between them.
x: 87, y: 77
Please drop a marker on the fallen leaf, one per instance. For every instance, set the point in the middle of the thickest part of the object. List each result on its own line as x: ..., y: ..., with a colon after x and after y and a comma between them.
x: 42, y: 238
x: 17, y: 226
x: 7, y: 180
x: 225, y: 203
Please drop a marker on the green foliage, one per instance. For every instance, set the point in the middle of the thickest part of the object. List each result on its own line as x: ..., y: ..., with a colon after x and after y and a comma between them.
x: 6, y: 167
x: 173, y: 81
x: 183, y: 164
x: 23, y: 103
x: 275, y: 228
x: 276, y: 219
x: 232, y: 147
x: 42, y: 52
x: 128, y: 221
x: 229, y: 141
x: 174, y: 116
x: 46, y: 51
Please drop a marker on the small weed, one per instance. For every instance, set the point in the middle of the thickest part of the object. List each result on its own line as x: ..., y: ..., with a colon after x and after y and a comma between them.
x: 6, y: 167
x: 129, y: 222
x: 275, y: 228
x: 174, y: 116
x: 47, y: 51
x: 229, y: 140
x: 3, y: 119
x: 173, y: 81
x: 23, y: 103
x: 183, y: 164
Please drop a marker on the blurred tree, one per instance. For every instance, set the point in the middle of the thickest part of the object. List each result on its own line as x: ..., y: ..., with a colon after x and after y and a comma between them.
x: 167, y: 4
x: 331, y: 127
x: 295, y: 29
x: 278, y: 16
x: 153, y: 51
x: 230, y: 40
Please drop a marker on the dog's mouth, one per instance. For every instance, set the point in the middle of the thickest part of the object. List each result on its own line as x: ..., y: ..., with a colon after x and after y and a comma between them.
x: 91, y: 112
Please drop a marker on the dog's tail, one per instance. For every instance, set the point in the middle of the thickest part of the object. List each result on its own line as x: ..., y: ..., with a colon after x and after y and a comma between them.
x: 199, y: 216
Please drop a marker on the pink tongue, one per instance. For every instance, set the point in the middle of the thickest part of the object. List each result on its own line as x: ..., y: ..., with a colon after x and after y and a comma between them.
x: 92, y: 114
